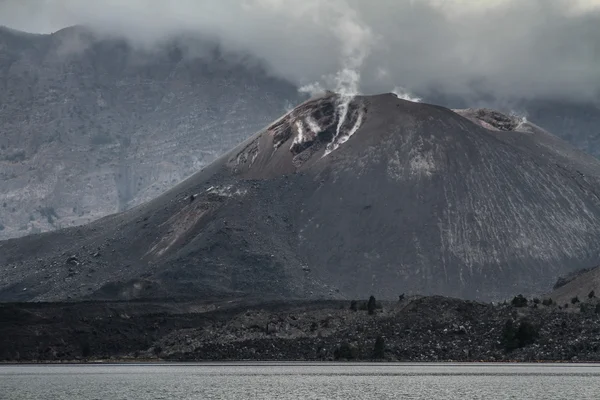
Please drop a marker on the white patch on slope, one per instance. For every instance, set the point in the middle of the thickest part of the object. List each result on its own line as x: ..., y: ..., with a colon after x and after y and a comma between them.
x: 313, y: 125
x: 417, y: 163
x: 344, y: 138
x: 395, y: 166
x: 522, y: 118
x: 342, y: 112
x: 226, y: 191
x: 300, y: 137
x: 422, y: 163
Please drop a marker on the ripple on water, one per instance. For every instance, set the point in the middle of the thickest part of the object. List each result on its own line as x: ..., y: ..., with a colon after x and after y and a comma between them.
x: 300, y: 381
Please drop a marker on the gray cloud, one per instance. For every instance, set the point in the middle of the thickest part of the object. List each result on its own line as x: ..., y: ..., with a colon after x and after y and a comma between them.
x: 510, y: 48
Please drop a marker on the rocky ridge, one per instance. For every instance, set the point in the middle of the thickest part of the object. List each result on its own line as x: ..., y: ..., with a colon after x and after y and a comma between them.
x: 412, y: 329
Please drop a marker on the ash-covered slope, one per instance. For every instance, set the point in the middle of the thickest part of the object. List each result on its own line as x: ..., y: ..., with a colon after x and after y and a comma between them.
x: 583, y: 284
x: 90, y: 125
x: 576, y: 122
x: 395, y: 197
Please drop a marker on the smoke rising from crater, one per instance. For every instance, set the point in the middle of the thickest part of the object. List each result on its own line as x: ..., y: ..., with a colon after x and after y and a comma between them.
x: 508, y: 48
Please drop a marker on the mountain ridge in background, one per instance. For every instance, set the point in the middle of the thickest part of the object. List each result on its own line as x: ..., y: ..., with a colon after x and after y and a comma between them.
x: 92, y: 125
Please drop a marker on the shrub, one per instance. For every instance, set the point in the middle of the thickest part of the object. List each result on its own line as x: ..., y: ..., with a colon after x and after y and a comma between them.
x: 527, y: 333
x: 519, y: 301
x: 597, y: 308
x: 354, y: 305
x: 345, y: 351
x: 592, y: 294
x: 547, y: 302
x: 516, y: 337
x: 86, y: 350
x: 536, y: 301
x: 575, y: 300
x: 379, y: 350
x: 508, y: 335
x: 371, y: 305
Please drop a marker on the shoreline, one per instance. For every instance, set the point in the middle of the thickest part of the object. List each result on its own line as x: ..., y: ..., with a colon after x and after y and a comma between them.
x: 294, y: 362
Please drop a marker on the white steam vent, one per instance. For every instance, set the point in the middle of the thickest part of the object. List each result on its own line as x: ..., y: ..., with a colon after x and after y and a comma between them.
x: 404, y: 94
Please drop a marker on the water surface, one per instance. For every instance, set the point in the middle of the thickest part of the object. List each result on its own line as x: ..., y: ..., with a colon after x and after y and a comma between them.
x: 301, y: 381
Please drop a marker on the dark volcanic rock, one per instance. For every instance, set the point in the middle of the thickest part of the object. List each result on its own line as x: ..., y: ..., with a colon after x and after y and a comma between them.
x: 491, y: 119
x: 396, y: 197
x: 415, y: 329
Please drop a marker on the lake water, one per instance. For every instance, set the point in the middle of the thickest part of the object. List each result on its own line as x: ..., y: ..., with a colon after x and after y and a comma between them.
x: 300, y: 381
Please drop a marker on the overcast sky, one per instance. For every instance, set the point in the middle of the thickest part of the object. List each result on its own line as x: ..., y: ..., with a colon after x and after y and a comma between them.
x: 524, y: 48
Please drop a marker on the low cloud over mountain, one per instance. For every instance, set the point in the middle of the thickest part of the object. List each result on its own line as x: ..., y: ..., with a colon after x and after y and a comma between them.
x: 504, y: 48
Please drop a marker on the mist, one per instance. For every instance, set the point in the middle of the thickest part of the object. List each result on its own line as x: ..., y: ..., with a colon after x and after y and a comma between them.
x: 504, y: 48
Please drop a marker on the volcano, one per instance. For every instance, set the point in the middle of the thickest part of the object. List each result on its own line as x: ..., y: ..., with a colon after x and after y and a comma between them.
x: 341, y: 198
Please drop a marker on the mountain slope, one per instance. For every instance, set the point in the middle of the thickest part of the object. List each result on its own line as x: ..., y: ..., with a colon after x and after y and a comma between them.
x: 582, y: 284
x: 90, y: 126
x: 578, y: 123
x: 391, y: 197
